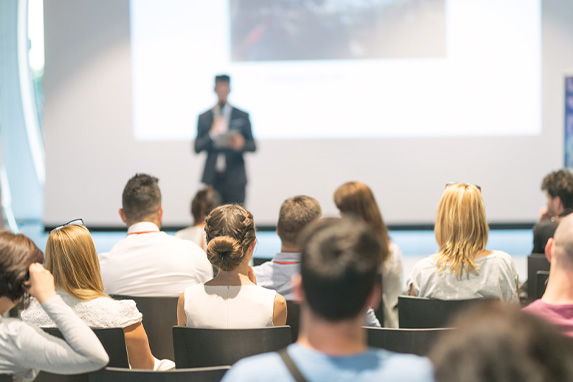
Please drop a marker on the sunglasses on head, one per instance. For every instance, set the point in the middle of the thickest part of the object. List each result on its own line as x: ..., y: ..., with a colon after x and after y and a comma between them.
x: 78, y: 221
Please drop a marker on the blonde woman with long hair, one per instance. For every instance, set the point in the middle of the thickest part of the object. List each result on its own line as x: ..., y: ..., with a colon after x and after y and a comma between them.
x: 72, y: 258
x: 357, y: 199
x: 463, y: 268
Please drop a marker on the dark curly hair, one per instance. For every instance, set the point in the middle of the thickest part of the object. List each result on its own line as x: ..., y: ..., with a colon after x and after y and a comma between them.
x: 230, y: 231
x: 17, y: 253
x: 560, y: 183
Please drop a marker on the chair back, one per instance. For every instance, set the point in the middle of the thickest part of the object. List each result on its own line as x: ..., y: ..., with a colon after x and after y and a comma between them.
x: 411, y: 341
x: 113, y: 341
x: 260, y: 260
x: 422, y: 313
x: 159, y: 316
x: 203, y: 374
x: 541, y: 283
x: 535, y: 262
x: 293, y: 318
x: 199, y: 347
x: 6, y: 378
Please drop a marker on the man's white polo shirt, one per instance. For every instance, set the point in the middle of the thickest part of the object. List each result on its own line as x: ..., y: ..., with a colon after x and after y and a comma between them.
x: 149, y: 262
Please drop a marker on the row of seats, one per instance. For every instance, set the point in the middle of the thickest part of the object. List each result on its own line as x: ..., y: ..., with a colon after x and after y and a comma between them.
x: 214, y: 350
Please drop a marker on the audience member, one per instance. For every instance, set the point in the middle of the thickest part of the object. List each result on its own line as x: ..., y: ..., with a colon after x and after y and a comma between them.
x: 463, y: 268
x: 71, y: 257
x: 149, y: 262
x: 556, y: 305
x: 25, y: 349
x: 356, y: 198
x: 496, y: 343
x: 340, y: 264
x: 295, y: 214
x: 203, y: 203
x: 231, y: 299
x: 558, y: 187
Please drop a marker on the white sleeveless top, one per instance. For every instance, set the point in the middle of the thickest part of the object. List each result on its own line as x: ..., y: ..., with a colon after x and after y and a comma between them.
x: 226, y: 306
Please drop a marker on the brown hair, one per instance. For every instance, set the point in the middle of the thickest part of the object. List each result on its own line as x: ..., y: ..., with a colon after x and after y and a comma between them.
x: 356, y: 198
x: 560, y: 183
x: 72, y: 258
x: 461, y: 228
x: 498, y: 343
x: 294, y: 215
x: 230, y: 231
x: 141, y: 197
x: 203, y: 203
x: 339, y: 266
x: 17, y: 253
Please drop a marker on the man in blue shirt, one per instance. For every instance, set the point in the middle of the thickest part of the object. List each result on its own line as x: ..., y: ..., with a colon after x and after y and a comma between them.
x: 339, y: 280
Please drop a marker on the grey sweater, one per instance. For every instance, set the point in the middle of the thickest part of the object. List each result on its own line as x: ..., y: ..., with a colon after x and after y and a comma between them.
x: 25, y: 349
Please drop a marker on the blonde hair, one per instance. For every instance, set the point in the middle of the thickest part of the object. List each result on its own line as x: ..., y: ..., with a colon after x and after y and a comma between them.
x: 356, y: 198
x: 72, y: 258
x: 461, y: 228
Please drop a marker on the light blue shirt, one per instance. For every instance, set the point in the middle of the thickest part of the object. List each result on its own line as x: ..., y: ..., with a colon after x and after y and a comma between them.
x: 277, y: 275
x: 373, y: 365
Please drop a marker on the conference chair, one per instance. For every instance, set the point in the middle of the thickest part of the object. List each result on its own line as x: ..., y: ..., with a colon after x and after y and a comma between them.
x: 203, y: 374
x: 260, y: 260
x: 423, y: 313
x: 541, y: 279
x: 293, y: 318
x: 113, y: 341
x: 411, y: 341
x: 535, y: 262
x: 6, y: 378
x: 159, y: 316
x: 200, y: 347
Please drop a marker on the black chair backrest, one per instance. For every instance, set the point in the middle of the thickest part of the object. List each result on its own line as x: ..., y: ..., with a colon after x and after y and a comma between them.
x: 535, y: 262
x: 293, y: 318
x: 411, y: 341
x: 203, y: 374
x: 159, y: 316
x: 6, y: 378
x: 198, y: 347
x: 260, y: 260
x: 421, y: 313
x: 541, y: 283
x: 113, y: 341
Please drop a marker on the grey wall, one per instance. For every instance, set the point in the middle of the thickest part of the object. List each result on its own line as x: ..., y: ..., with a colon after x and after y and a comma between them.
x: 91, y: 152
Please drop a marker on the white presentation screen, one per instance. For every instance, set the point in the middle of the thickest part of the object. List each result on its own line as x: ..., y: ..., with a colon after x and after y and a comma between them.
x: 403, y: 95
x: 340, y: 69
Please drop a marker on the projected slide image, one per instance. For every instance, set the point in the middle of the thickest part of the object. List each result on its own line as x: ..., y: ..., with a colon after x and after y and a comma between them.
x: 282, y: 30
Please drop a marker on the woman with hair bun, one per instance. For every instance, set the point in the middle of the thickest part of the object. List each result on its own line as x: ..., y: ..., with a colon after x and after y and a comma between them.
x: 231, y: 299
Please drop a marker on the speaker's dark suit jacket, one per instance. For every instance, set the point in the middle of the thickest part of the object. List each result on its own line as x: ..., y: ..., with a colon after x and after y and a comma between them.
x: 235, y: 171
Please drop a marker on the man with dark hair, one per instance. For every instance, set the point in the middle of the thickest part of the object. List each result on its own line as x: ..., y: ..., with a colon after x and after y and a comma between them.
x: 295, y: 214
x: 339, y: 280
x: 149, y: 262
x: 558, y: 187
x: 224, y: 132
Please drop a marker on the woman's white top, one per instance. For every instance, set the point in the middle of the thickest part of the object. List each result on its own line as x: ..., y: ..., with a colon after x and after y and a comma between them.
x: 392, y: 285
x: 101, y: 312
x: 227, y: 306
x: 496, y: 278
x: 25, y: 349
x: 196, y: 234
